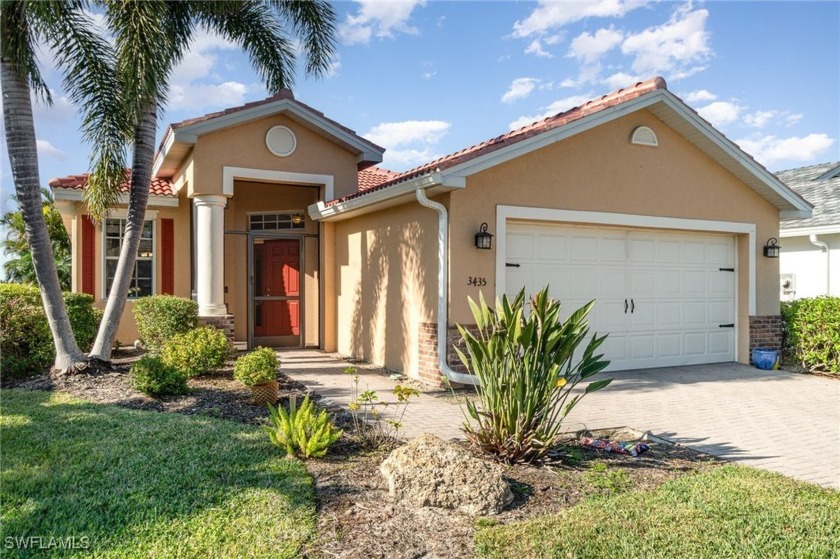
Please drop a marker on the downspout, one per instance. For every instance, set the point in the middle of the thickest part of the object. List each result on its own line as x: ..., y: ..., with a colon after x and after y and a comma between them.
x: 823, y: 245
x: 442, y: 312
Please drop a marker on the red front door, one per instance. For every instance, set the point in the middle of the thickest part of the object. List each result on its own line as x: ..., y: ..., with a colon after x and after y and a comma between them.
x: 277, y: 275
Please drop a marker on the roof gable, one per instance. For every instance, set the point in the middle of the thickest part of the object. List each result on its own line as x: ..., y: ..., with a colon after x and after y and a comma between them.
x: 181, y: 136
x: 651, y: 95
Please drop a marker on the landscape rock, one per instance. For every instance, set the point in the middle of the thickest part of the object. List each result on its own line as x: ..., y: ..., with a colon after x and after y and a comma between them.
x: 429, y: 471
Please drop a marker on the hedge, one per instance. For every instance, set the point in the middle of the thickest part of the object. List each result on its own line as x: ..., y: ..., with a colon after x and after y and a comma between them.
x: 26, y: 343
x: 811, y: 330
x: 161, y: 317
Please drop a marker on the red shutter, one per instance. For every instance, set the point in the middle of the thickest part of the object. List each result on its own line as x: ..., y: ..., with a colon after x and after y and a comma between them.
x: 167, y: 257
x: 88, y: 255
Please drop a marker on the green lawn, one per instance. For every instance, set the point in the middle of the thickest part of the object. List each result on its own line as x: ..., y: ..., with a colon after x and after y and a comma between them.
x: 128, y: 483
x: 730, y: 511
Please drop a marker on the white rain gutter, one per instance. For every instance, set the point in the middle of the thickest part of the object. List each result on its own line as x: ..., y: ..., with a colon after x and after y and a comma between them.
x: 443, y: 263
x: 823, y: 245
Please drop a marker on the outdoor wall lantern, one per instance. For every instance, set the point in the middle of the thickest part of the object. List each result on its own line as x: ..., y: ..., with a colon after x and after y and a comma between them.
x: 771, y: 249
x: 483, y: 239
x: 297, y: 219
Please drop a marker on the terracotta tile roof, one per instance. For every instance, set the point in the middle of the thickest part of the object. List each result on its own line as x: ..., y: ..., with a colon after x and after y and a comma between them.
x: 159, y: 187
x: 374, y: 177
x: 282, y: 94
x: 499, y: 142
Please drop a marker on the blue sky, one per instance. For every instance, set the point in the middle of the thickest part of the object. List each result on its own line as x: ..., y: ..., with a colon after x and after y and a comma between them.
x: 424, y: 79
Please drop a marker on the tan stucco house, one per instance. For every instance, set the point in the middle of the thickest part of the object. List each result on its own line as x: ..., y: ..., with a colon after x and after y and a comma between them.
x: 278, y: 222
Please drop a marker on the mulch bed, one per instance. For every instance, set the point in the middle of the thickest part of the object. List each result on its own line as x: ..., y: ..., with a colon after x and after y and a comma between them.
x: 356, y: 517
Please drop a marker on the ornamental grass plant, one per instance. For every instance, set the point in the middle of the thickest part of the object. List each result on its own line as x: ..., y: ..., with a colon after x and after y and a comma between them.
x: 527, y: 364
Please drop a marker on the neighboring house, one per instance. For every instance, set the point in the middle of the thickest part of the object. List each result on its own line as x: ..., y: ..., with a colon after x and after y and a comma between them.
x: 810, y: 256
x: 277, y: 221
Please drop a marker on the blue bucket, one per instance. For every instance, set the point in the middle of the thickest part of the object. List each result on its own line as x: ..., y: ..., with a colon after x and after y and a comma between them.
x: 765, y: 359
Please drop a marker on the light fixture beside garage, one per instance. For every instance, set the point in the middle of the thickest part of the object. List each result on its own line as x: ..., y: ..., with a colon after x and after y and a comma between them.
x: 772, y: 248
x: 644, y: 136
x: 483, y: 239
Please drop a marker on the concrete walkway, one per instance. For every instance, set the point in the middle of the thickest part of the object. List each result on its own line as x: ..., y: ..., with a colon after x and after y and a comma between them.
x: 779, y: 421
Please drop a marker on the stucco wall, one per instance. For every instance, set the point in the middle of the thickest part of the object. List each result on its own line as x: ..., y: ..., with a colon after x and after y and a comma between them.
x: 809, y: 264
x: 244, y: 146
x: 599, y: 170
x: 386, y: 284
x: 127, y: 332
x: 251, y: 197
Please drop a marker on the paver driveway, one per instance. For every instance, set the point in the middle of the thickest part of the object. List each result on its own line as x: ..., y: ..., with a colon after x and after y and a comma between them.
x: 780, y: 421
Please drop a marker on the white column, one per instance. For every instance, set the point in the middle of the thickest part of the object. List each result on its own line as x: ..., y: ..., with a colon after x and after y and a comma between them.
x: 210, y: 254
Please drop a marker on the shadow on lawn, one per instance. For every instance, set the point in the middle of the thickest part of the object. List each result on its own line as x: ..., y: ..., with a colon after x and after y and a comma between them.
x: 127, y: 479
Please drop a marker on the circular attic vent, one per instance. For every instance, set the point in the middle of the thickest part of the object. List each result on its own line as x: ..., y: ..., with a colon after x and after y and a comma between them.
x: 280, y: 141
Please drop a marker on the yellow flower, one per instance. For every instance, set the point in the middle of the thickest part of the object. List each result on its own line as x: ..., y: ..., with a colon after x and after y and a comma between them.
x: 561, y: 382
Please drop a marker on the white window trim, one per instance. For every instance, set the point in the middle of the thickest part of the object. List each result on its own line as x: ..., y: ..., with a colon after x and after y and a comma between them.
x: 504, y: 213
x: 121, y: 214
x: 230, y: 174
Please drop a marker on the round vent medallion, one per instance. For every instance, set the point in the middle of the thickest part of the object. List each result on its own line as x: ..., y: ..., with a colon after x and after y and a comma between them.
x: 280, y: 141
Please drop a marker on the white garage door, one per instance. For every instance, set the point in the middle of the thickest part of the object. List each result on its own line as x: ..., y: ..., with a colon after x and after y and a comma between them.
x: 665, y: 298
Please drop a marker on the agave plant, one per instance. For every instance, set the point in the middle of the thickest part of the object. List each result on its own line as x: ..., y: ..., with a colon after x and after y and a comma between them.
x: 527, y: 367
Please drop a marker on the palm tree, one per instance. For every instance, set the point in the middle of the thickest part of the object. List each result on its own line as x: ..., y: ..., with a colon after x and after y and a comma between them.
x: 151, y: 38
x: 19, y: 268
x: 86, y: 61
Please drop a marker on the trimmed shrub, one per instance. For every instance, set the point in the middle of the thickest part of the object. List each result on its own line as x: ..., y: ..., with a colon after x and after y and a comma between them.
x: 258, y: 366
x: 26, y: 343
x: 811, y: 331
x: 301, y: 431
x: 152, y: 376
x: 161, y: 317
x: 198, y: 351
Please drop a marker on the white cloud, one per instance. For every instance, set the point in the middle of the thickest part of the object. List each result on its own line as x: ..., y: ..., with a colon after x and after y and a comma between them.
x: 772, y: 149
x: 699, y: 96
x: 550, y: 15
x: 61, y: 112
x: 589, y: 48
x: 556, y: 107
x: 408, y: 143
x: 378, y: 19
x: 46, y: 149
x: 759, y: 119
x: 334, y: 67
x: 536, y: 48
x: 621, y: 80
x: 676, y: 48
x: 393, y: 134
x: 720, y: 113
x: 588, y: 74
x: 519, y: 89
x: 197, y: 97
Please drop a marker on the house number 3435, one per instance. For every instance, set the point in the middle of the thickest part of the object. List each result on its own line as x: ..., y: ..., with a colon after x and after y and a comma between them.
x: 477, y: 282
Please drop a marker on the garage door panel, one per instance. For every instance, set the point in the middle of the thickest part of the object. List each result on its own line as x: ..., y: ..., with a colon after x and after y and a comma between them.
x: 720, y: 343
x: 677, y: 296
x: 612, y: 282
x: 519, y: 246
x: 670, y: 345
x: 551, y: 247
x: 583, y: 248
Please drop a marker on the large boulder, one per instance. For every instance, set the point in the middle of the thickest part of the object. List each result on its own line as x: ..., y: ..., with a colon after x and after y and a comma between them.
x: 429, y: 471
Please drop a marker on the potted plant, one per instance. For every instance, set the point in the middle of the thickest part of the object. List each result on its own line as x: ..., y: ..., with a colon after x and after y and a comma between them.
x: 258, y: 370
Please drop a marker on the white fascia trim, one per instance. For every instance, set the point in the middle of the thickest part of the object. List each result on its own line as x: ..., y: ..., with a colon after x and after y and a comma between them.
x: 505, y: 213
x: 806, y: 231
x: 161, y: 154
x: 321, y: 211
x: 283, y: 105
x: 230, y: 174
x: 77, y: 195
x: 801, y: 207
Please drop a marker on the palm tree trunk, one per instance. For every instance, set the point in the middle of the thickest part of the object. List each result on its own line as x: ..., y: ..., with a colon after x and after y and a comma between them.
x: 141, y: 177
x: 23, y: 156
